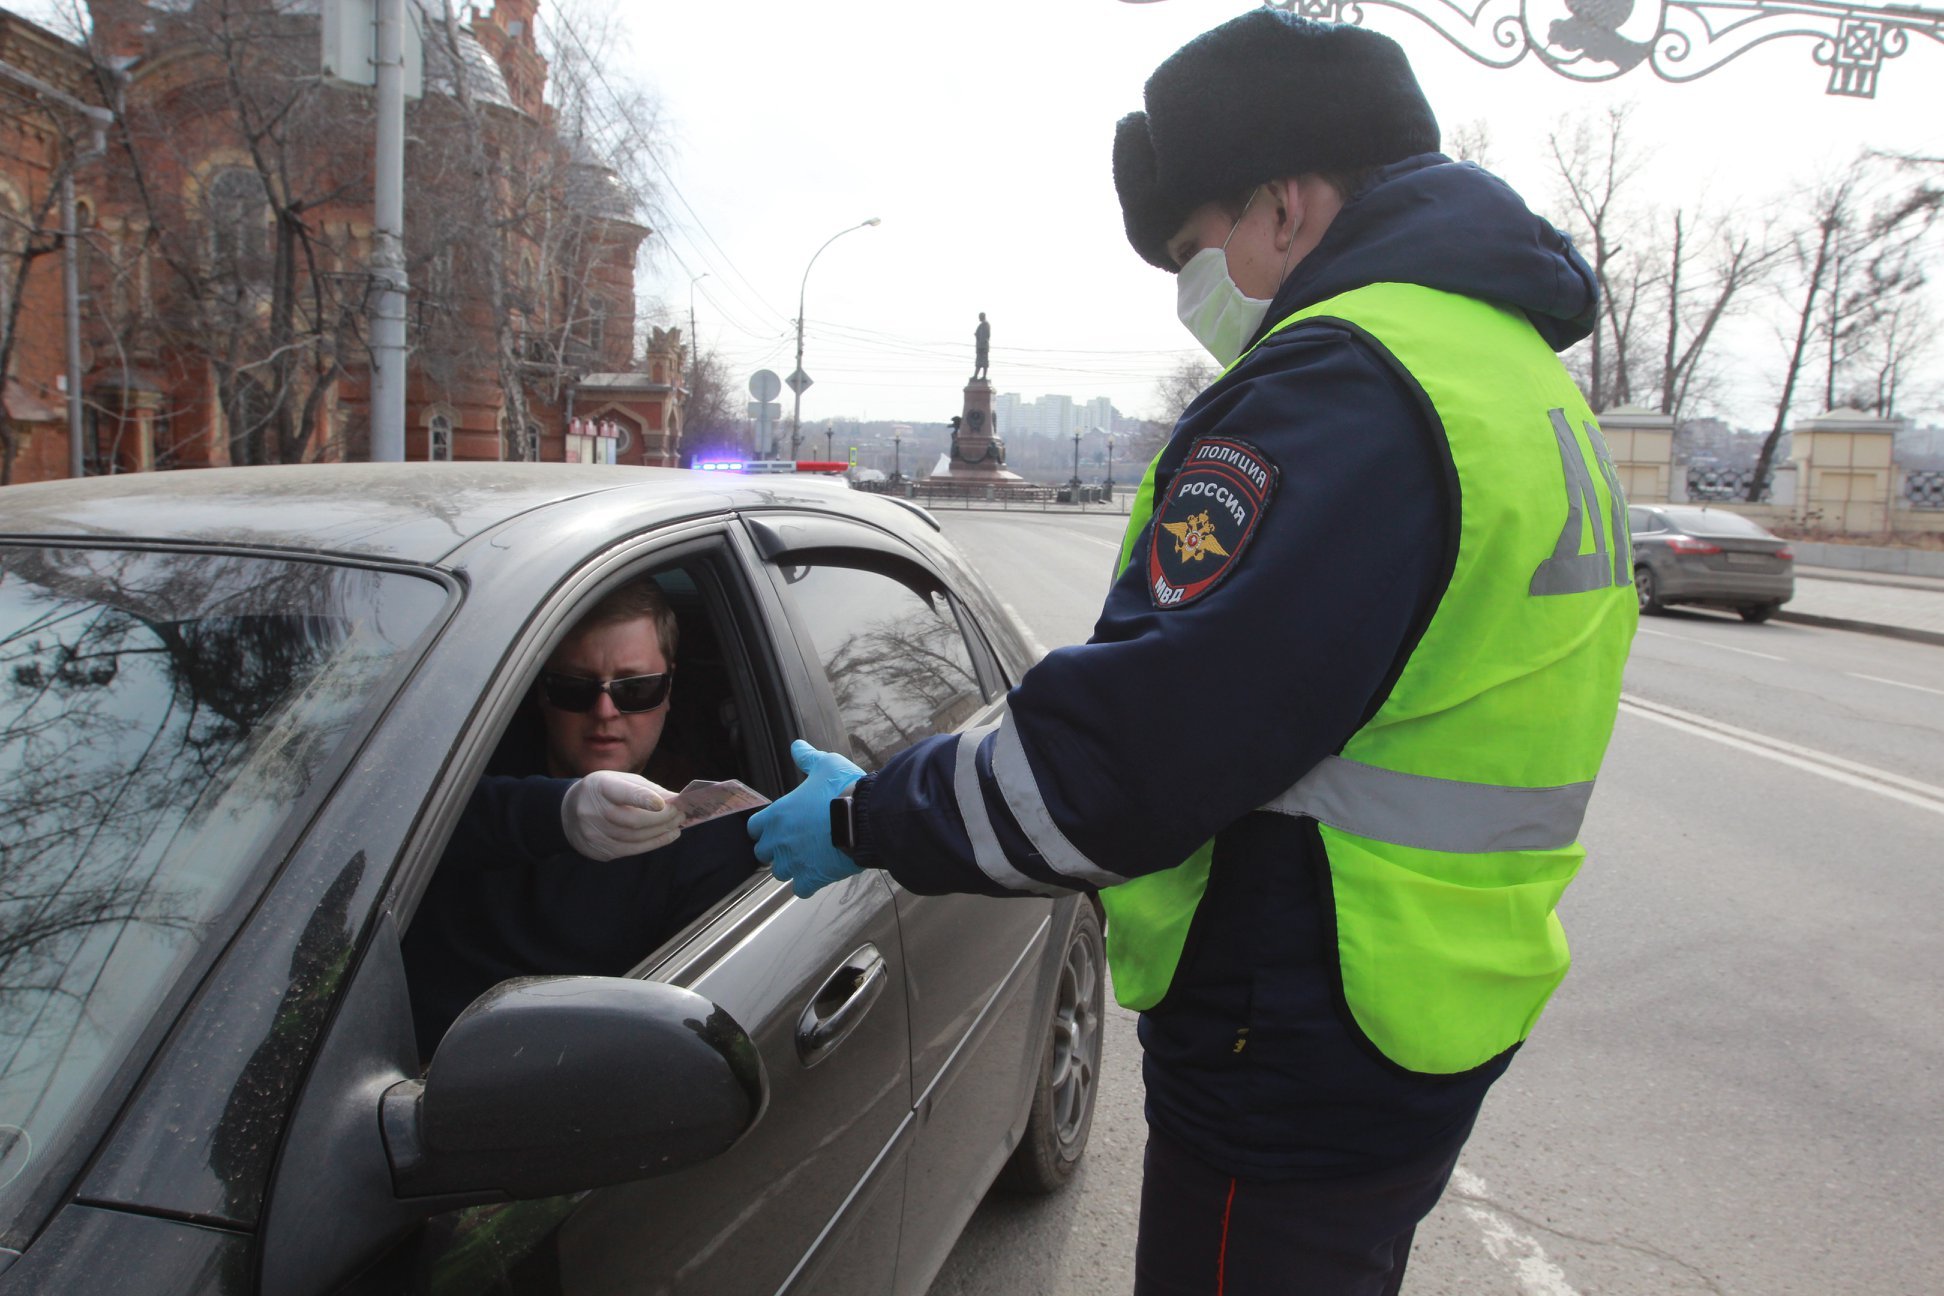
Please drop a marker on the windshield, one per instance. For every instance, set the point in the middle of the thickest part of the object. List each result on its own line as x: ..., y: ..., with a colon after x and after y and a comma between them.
x: 160, y: 716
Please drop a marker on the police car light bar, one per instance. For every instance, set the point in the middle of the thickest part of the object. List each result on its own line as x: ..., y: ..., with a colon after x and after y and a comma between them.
x: 773, y: 465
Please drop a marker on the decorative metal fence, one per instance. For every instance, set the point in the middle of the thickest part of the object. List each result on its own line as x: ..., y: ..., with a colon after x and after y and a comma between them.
x: 1924, y: 489
x: 1722, y: 485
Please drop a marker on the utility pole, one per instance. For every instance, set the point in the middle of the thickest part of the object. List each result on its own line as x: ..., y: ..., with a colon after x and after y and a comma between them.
x: 388, y: 353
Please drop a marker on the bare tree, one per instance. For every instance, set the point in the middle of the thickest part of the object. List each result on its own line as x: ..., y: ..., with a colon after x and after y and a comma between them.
x: 710, y: 418
x: 1905, y: 336
x: 1471, y: 141
x: 254, y: 283
x: 25, y: 237
x: 1814, y: 251
x: 1697, y: 297
x: 1859, y: 265
x: 525, y: 281
x: 1176, y: 389
x: 1596, y: 162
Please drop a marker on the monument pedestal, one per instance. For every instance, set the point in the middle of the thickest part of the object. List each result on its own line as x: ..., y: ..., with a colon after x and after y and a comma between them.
x: 978, y: 456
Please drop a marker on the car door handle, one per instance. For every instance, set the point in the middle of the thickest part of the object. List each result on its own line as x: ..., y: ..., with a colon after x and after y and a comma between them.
x: 841, y: 1004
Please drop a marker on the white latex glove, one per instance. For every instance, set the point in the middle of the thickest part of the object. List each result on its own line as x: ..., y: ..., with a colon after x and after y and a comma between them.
x: 609, y: 814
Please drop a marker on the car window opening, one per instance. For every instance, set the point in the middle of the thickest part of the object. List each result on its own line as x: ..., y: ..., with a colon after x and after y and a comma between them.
x: 494, y: 910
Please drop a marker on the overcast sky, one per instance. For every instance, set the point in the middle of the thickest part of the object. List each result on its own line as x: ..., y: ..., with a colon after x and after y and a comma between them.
x: 981, y: 135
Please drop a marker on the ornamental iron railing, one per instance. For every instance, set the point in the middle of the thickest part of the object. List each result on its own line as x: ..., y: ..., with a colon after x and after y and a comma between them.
x: 1678, y: 40
x: 1924, y: 488
x: 1720, y: 485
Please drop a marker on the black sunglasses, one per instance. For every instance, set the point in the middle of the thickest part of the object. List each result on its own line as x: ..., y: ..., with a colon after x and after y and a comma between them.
x: 631, y: 693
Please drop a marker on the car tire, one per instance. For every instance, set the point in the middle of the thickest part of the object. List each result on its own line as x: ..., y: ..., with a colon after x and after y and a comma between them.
x: 1756, y: 613
x: 1646, y: 589
x: 1069, y: 1078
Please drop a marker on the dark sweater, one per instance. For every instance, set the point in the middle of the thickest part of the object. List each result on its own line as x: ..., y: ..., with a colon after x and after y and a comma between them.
x: 512, y: 899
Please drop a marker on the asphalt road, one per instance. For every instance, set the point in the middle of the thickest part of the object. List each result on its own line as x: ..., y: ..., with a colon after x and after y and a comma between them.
x: 1738, y: 1088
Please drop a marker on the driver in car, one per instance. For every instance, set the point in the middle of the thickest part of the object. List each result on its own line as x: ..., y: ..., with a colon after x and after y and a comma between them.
x: 576, y: 865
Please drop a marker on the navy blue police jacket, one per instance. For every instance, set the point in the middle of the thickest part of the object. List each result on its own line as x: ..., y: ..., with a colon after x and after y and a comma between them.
x: 1175, y: 720
x: 511, y: 898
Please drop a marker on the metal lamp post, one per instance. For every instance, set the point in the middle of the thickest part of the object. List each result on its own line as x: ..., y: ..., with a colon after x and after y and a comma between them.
x: 829, y: 432
x: 1108, y: 492
x: 1076, y: 466
x: 897, y: 443
x: 799, y: 380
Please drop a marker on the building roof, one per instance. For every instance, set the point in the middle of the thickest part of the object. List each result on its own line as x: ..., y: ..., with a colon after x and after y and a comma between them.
x: 482, y: 72
x: 616, y: 382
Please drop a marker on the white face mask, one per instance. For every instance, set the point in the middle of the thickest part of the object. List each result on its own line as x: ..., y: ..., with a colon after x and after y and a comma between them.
x: 1221, y: 316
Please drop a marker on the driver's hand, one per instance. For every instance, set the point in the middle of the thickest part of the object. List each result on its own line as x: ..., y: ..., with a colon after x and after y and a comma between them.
x: 609, y: 814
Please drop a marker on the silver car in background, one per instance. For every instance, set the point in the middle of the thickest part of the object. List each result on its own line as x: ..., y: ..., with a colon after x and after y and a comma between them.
x: 1685, y: 554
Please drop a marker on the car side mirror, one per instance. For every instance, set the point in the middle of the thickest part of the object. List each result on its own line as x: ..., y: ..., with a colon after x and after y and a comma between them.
x: 551, y: 1085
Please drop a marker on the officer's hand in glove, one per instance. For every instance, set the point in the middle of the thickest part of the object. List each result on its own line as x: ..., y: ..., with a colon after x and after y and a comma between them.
x: 792, y: 834
x: 609, y: 814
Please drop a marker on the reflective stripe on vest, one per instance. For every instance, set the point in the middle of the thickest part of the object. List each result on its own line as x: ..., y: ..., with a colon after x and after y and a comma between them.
x: 1433, y: 813
x: 1448, y: 819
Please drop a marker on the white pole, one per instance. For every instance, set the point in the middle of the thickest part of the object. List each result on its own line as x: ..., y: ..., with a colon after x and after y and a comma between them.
x: 387, y: 242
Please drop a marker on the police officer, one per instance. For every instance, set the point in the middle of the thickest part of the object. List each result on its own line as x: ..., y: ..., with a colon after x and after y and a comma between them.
x: 1326, y: 755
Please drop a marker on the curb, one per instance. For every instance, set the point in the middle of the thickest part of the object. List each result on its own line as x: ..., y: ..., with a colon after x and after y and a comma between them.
x: 1849, y: 576
x: 1862, y: 627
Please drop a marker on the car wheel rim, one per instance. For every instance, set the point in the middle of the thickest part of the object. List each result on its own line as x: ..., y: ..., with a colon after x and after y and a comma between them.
x: 1644, y: 587
x: 1076, y: 1041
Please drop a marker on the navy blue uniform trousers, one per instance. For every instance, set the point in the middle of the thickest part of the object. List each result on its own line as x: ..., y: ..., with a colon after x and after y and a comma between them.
x: 1205, y: 1233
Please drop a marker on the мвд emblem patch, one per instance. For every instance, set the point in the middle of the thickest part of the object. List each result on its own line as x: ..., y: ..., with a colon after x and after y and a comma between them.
x: 1217, y: 497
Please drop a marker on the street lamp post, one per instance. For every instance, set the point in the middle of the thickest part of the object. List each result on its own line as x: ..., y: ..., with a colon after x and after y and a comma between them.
x: 1076, y: 466
x: 1108, y: 491
x: 897, y: 443
x: 797, y: 384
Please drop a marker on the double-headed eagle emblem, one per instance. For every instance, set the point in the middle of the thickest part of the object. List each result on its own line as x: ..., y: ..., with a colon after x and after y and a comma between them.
x: 1194, y: 538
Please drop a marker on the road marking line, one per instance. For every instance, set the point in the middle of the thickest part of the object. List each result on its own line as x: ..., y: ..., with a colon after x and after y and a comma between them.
x: 1878, y: 679
x: 1749, y: 652
x: 1869, y: 778
x: 1535, y: 1274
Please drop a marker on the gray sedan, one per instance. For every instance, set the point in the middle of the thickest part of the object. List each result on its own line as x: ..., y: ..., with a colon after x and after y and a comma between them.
x: 1709, y: 556
x: 241, y: 714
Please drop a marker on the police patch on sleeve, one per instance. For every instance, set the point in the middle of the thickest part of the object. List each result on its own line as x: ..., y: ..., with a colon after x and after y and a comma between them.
x: 1207, y: 519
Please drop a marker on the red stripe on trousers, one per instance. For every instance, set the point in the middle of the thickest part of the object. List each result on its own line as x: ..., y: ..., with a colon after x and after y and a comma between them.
x: 1221, y: 1257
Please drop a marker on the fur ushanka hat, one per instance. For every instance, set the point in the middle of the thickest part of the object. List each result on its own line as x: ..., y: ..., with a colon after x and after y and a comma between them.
x: 1261, y: 96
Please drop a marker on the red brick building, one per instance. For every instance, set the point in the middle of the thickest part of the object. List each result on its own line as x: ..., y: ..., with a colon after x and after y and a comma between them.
x: 228, y: 227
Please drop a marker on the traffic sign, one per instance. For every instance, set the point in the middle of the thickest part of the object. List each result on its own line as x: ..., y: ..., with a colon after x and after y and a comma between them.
x: 799, y: 382
x: 764, y: 385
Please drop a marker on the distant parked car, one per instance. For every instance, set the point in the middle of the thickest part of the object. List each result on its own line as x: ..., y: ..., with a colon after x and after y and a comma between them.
x: 1709, y: 556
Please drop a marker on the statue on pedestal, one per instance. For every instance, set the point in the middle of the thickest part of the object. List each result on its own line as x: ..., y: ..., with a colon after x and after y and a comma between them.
x: 981, y: 348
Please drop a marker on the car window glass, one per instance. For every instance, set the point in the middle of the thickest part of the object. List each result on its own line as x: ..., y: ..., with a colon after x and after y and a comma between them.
x: 160, y: 715
x: 1718, y: 522
x: 1640, y: 520
x: 894, y: 654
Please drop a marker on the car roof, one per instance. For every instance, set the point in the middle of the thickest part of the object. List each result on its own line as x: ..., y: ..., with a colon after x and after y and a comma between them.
x: 416, y: 513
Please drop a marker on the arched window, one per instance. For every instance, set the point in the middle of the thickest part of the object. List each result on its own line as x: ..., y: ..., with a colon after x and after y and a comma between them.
x: 236, y: 215
x: 530, y: 446
x: 597, y: 317
x: 438, y: 430
x: 13, y: 244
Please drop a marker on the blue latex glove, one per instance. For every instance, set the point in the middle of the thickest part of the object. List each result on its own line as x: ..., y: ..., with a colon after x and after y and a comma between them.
x: 792, y: 834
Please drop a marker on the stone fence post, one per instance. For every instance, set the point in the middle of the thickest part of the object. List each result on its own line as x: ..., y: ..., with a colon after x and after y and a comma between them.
x: 1642, y: 444
x: 1843, y: 460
